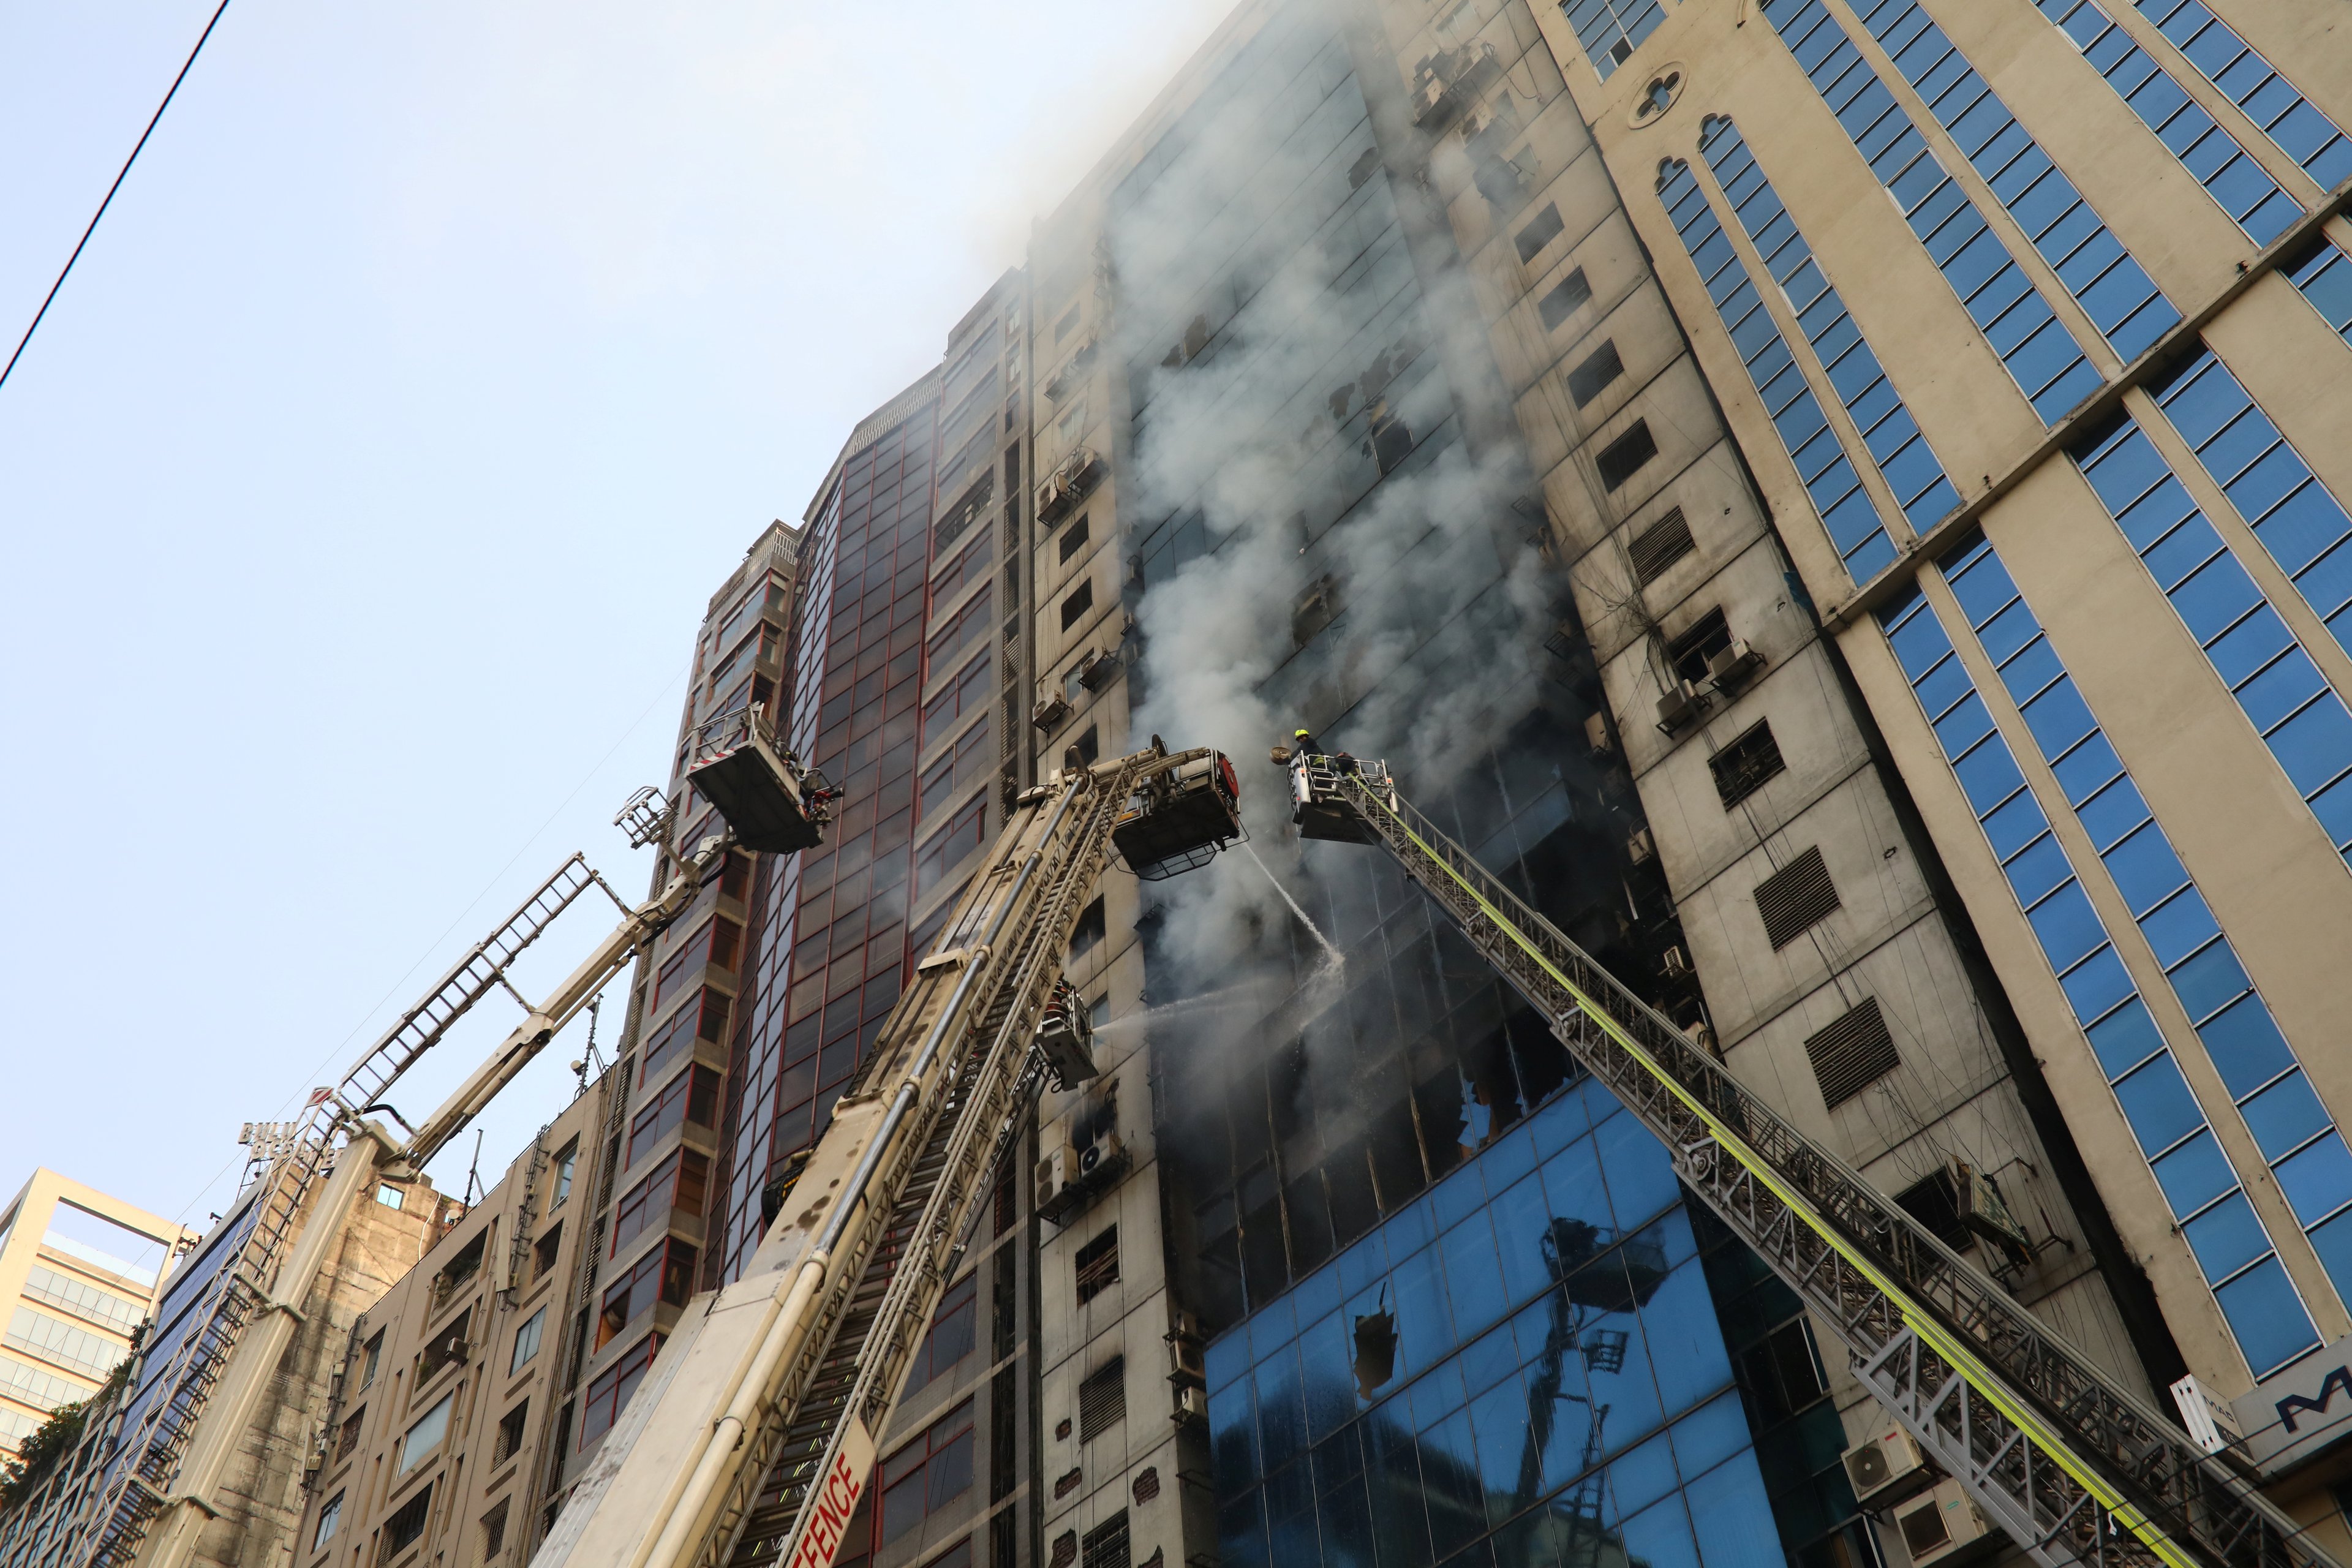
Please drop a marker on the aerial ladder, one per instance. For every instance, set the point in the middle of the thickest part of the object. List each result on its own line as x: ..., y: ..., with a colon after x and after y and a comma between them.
x: 2076, y: 1470
x: 207, y: 1369
x: 751, y: 1439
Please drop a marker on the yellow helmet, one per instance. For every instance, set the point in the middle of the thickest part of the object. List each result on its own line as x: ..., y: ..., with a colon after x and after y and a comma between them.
x: 1298, y: 734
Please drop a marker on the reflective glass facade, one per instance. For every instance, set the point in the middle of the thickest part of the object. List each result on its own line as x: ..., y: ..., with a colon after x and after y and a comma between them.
x: 2048, y: 367
x: 1524, y: 1366
x: 1611, y: 30
x: 2285, y: 116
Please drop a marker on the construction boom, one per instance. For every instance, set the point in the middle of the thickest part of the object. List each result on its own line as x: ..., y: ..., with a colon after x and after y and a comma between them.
x: 751, y: 1438
x: 208, y: 1371
x: 2075, y: 1469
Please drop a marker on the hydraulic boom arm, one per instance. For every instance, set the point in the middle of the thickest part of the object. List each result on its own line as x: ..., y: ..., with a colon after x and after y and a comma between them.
x: 2075, y: 1469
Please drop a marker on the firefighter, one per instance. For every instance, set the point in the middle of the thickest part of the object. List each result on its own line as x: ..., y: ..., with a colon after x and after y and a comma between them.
x: 1303, y: 744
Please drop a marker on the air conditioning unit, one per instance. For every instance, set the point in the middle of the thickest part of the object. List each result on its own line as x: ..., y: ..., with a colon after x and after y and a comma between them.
x: 1103, y: 1156
x: 1639, y: 847
x: 1186, y: 1365
x: 1067, y: 485
x: 1681, y: 704
x: 1734, y: 664
x: 1051, y: 710
x: 1191, y: 1405
x: 1056, y: 1169
x: 1885, y: 1466
x: 1943, y: 1526
x: 1596, y: 734
x: 1098, y: 670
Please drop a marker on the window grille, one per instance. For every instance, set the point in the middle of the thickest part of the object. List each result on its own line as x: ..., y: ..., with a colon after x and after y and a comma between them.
x: 1659, y: 546
x: 1742, y: 767
x: 1102, y: 1399
x: 1098, y: 1263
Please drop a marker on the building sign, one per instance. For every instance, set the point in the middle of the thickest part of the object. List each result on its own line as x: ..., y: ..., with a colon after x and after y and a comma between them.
x: 2296, y: 1413
x: 835, y: 1499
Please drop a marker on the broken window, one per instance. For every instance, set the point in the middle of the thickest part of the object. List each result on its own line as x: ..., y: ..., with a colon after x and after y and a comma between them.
x: 1741, y: 768
x: 1364, y: 168
x: 446, y: 1346
x: 1565, y: 298
x: 1091, y: 929
x: 1088, y: 746
x: 1589, y: 379
x: 462, y: 1268
x: 1936, y: 1203
x: 1315, y: 609
x: 1659, y: 546
x: 1624, y: 457
x: 1690, y: 652
x: 544, y: 1252
x: 1545, y: 227
x: 1074, y: 607
x: 1781, y: 1373
x: 1097, y: 1265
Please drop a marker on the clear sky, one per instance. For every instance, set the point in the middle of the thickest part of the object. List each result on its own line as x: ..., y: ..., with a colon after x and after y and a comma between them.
x: 362, y: 492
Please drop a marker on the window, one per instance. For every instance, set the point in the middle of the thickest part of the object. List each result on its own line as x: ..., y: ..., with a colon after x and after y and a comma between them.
x: 962, y: 628
x: 403, y: 1529
x: 447, y: 1345
x: 425, y: 1434
x: 969, y: 566
x: 1073, y: 539
x: 1659, y: 546
x: 1097, y: 1264
x: 1742, y: 767
x: 1074, y: 607
x: 1564, y: 300
x: 1105, y: 1544
x: 526, y: 1342
x: 952, y: 1335
x: 349, y: 1438
x: 85, y: 1301
x: 464, y: 1267
x: 1781, y: 1373
x: 565, y: 1162
x: 665, y: 1274
x: 374, y: 1353
x: 1624, y: 457
x: 680, y: 1182
x: 54, y: 1340
x: 1795, y: 898
x: 1541, y: 230
x: 1851, y: 1053
x: 608, y: 1395
x: 1088, y: 746
x: 966, y: 691
x: 1316, y: 607
x: 545, y: 1251
x: 692, y: 1096
x: 1589, y: 379
x: 512, y: 1427
x: 1610, y: 30
x: 388, y: 1196
x: 1102, y: 1399
x: 2298, y: 130
x: 2048, y: 366
x: 1690, y: 653
x: 1093, y: 925
x: 927, y: 1473
x: 494, y: 1530
x: 330, y: 1518
x: 1935, y: 1202
x: 945, y: 850
x: 970, y: 758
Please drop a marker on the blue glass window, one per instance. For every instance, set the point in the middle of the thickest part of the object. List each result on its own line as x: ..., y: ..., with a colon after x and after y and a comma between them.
x: 1611, y: 30
x: 2324, y: 276
x: 2286, y: 117
x: 2231, y: 1020
x: 2299, y: 522
x: 1846, y: 510
x: 1583, y: 1393
x: 2043, y: 359
x: 2300, y: 717
x: 2249, y: 195
x: 2164, y: 1115
x: 1888, y: 431
x: 2122, y: 301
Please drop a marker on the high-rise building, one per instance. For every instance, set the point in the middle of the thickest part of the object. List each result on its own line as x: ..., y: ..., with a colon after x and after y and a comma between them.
x: 80, y: 1271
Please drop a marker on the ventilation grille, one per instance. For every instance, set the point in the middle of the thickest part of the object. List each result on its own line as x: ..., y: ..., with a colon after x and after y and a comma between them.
x: 1851, y: 1053
x: 1102, y: 1400
x: 1659, y: 546
x: 1795, y: 897
x: 1742, y: 767
x: 1105, y: 1544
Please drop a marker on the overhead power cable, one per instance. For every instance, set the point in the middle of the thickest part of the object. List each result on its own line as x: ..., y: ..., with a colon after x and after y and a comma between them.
x: 51, y: 297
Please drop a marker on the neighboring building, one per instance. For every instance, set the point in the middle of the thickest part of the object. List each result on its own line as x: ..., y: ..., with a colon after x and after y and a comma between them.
x: 446, y: 1428
x: 2030, y: 320
x: 80, y: 1271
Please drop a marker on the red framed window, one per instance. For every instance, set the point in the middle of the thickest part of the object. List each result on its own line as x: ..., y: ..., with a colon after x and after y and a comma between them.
x: 946, y: 849
x: 967, y: 568
x: 970, y: 622
x: 926, y: 1475
x: 608, y: 1395
x: 954, y: 1332
x: 969, y: 691
x: 664, y: 1274
x: 680, y: 1182
x: 692, y: 1096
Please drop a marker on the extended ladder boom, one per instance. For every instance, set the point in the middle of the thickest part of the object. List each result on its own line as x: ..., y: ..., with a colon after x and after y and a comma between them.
x: 751, y: 1439
x: 2075, y: 1469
